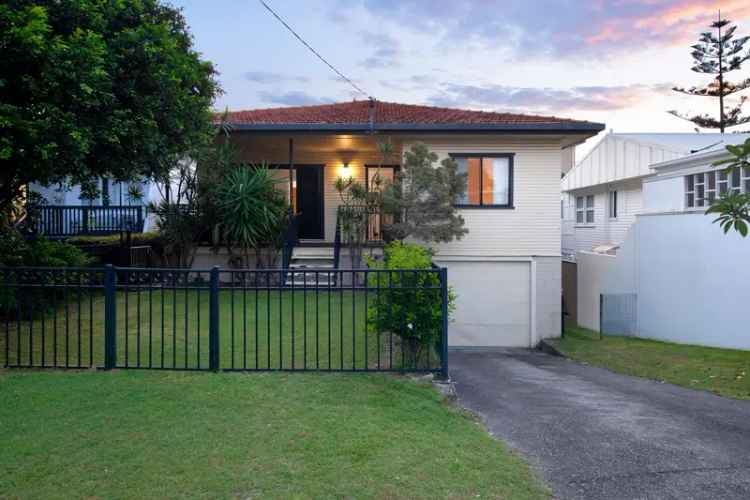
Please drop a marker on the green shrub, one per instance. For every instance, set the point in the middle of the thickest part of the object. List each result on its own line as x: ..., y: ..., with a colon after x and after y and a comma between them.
x: 16, y: 251
x: 253, y: 212
x: 114, y: 240
x: 410, y: 304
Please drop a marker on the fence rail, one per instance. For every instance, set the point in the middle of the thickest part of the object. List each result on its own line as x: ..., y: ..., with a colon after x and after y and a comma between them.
x: 63, y: 220
x: 245, y: 320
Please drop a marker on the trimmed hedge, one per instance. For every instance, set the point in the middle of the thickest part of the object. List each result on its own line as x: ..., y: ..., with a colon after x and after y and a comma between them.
x: 114, y: 240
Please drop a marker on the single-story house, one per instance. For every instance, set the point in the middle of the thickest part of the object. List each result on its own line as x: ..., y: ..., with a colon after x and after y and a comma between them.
x: 676, y: 275
x: 506, y: 271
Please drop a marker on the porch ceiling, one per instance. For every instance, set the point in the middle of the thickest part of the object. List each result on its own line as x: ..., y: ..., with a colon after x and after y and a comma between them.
x: 275, y: 148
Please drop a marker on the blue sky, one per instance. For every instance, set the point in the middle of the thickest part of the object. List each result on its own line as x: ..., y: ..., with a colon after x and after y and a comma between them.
x: 612, y: 61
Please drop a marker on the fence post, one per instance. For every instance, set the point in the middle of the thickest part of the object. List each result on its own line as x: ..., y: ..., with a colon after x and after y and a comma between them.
x: 444, y: 313
x: 601, y: 315
x: 213, y: 321
x: 110, y: 317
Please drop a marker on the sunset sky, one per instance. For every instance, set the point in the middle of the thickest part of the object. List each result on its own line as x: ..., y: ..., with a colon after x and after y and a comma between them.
x: 612, y: 61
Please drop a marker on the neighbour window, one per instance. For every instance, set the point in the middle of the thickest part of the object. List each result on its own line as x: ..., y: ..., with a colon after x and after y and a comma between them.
x: 489, y: 180
x: 702, y: 189
x: 613, y: 204
x: 585, y: 209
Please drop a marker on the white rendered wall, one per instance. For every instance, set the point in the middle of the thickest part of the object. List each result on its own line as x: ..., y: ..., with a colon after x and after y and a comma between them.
x: 692, y: 280
x: 592, y: 269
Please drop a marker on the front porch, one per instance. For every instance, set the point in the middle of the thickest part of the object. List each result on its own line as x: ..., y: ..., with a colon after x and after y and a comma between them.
x: 308, y: 167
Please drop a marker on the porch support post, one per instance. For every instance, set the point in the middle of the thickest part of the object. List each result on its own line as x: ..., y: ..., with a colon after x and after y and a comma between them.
x: 291, y: 169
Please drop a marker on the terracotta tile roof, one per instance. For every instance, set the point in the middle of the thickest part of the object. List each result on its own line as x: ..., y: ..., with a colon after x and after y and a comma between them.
x: 393, y: 115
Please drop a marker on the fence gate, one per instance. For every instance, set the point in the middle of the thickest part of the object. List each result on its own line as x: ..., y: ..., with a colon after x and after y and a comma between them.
x: 618, y: 314
x: 247, y: 320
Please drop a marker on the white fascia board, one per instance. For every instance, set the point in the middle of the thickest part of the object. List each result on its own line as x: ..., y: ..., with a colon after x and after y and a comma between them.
x: 690, y: 160
x: 617, y: 182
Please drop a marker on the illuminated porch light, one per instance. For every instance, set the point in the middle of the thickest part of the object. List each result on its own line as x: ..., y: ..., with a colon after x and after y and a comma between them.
x: 345, y: 172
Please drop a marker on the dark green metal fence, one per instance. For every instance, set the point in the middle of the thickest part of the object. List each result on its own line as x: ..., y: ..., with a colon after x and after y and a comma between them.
x: 244, y: 320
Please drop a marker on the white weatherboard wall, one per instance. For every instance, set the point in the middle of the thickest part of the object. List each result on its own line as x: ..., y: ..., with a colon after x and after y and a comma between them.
x: 618, y: 157
x: 604, y: 230
x: 506, y: 272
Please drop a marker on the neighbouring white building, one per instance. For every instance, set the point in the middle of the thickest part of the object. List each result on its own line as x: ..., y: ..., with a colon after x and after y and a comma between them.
x: 603, y: 193
x: 676, y: 276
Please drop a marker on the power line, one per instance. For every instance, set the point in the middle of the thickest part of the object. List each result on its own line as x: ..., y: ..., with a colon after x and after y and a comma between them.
x: 291, y: 30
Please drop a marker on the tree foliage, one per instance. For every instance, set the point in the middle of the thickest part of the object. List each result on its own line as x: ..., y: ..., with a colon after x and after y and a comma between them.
x: 733, y: 208
x: 423, y: 196
x: 93, y: 88
x: 719, y: 54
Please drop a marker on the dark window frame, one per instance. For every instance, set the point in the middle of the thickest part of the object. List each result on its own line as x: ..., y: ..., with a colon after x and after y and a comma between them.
x: 507, y: 206
x: 613, y: 204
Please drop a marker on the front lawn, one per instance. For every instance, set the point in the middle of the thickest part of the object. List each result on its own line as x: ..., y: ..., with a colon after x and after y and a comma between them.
x: 723, y: 371
x: 135, y: 434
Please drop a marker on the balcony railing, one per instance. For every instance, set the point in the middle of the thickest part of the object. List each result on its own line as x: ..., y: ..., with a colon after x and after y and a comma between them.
x: 57, y: 221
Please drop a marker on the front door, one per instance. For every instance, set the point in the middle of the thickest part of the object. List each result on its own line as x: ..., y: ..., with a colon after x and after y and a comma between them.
x: 310, y: 201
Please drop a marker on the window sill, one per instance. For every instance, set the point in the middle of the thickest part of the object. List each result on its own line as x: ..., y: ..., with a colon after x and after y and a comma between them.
x: 585, y: 226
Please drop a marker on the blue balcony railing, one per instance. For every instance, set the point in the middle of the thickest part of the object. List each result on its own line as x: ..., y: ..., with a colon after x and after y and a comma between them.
x: 58, y: 221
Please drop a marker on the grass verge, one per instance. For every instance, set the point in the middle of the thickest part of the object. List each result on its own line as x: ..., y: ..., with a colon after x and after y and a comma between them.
x: 722, y: 371
x: 135, y: 434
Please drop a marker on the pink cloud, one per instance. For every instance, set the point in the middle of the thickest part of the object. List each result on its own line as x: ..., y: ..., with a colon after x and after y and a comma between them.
x: 667, y: 23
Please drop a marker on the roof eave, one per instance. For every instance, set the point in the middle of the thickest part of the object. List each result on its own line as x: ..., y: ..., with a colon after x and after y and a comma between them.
x: 546, y: 128
x: 693, y: 159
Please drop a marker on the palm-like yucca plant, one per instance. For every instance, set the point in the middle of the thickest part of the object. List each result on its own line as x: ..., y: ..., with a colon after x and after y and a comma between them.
x: 252, y: 210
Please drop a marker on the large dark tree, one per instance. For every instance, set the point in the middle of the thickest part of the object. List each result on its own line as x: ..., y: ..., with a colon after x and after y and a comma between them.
x: 92, y: 88
x: 718, y: 53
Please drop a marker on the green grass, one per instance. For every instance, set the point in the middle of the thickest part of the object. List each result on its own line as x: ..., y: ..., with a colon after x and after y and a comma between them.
x: 169, y: 328
x: 136, y: 434
x: 722, y: 371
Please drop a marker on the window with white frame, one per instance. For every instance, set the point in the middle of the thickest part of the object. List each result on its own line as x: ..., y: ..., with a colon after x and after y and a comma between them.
x: 585, y: 209
x: 613, y: 204
x: 702, y: 189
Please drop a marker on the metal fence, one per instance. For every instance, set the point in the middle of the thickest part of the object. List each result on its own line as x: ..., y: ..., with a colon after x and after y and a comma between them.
x: 247, y: 320
x: 618, y: 313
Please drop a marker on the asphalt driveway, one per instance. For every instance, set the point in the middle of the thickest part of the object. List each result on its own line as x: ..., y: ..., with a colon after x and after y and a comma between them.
x: 594, y: 434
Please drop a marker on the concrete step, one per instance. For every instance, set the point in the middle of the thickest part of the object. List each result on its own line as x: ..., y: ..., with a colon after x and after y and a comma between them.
x: 310, y: 285
x: 314, y: 266
x: 312, y: 263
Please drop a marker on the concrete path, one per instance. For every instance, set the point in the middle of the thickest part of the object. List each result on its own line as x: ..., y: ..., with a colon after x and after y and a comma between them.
x: 594, y: 434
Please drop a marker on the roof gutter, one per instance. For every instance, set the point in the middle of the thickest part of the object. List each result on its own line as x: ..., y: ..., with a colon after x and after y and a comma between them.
x: 372, y: 127
x: 692, y: 159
